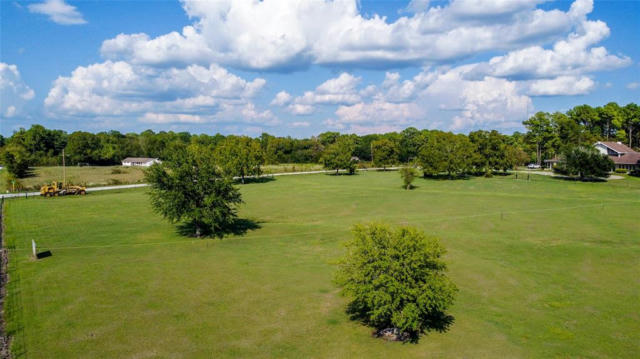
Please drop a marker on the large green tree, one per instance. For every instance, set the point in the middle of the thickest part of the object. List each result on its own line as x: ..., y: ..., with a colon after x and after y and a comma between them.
x: 339, y: 155
x: 585, y: 162
x: 396, y: 278
x: 188, y: 187
x: 541, y: 134
x: 384, y: 153
x: 445, y: 152
x: 16, y: 160
x: 239, y: 156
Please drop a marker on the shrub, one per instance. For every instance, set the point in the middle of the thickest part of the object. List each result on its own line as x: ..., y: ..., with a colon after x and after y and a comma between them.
x: 635, y: 173
x: 397, y: 280
x: 13, y: 184
x: 584, y: 162
x: 621, y: 170
x: 408, y: 174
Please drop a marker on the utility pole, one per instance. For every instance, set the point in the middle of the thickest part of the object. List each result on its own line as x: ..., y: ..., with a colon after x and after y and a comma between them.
x: 64, y: 172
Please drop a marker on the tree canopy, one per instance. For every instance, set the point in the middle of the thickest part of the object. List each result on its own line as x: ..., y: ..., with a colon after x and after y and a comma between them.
x: 188, y: 187
x: 585, y: 162
x: 396, y: 278
x: 239, y: 156
x: 339, y: 155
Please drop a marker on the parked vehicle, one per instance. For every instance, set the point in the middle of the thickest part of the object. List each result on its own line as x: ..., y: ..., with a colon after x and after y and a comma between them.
x: 58, y: 189
x: 533, y: 166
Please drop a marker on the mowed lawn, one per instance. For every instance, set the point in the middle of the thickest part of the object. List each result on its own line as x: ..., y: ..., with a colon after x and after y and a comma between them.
x: 546, y: 268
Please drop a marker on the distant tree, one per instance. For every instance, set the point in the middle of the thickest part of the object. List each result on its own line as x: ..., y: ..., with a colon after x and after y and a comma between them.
x: 384, y: 153
x: 339, y: 156
x: 445, y: 152
x: 540, y: 133
x: 189, y: 187
x: 83, y: 147
x: 239, y: 156
x: 408, y: 174
x: 513, y: 157
x: 631, y: 123
x: 611, y: 117
x: 410, y: 142
x: 396, y: 279
x: 586, y: 116
x: 16, y: 160
x: 585, y: 162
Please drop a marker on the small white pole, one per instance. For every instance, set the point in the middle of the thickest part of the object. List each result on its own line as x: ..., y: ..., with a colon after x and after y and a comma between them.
x: 33, y: 247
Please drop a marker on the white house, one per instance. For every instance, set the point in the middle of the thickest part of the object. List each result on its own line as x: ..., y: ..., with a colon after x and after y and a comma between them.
x: 622, y: 155
x: 139, y: 161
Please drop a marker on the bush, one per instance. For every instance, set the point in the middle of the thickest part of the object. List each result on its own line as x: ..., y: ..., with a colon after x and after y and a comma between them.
x: 621, y: 170
x: 585, y: 162
x: 408, y: 174
x: 16, y: 160
x: 397, y: 280
x: 13, y: 184
x: 635, y: 173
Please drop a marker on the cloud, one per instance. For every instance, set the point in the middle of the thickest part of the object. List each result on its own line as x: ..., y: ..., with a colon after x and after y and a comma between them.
x: 572, y: 56
x: 58, y: 12
x: 378, y: 113
x: 563, y: 85
x: 288, y: 35
x: 300, y: 109
x: 194, y: 94
x: 14, y: 93
x: 417, y: 6
x: 335, y: 91
x: 633, y: 85
x: 300, y: 124
x: 282, y: 98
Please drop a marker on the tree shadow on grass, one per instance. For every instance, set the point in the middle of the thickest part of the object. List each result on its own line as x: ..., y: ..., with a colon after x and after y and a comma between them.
x: 446, y: 177
x: 436, y: 322
x: 261, y: 179
x: 578, y: 179
x: 239, y: 227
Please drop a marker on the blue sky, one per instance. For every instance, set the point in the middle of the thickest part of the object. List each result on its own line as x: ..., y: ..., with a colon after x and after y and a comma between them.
x: 299, y: 68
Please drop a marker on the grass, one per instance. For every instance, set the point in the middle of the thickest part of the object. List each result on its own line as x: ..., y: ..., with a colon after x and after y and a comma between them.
x: 546, y: 268
x: 90, y: 176
x: 94, y: 176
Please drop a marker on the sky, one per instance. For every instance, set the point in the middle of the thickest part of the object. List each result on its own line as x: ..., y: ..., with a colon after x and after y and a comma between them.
x: 301, y: 67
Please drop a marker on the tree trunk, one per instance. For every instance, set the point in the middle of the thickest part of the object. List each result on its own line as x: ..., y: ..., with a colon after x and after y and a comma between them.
x: 198, y: 232
x: 539, y: 153
x: 243, y: 178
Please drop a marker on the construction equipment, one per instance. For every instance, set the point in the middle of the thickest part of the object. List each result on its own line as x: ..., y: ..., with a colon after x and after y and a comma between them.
x: 62, y: 188
x: 58, y: 189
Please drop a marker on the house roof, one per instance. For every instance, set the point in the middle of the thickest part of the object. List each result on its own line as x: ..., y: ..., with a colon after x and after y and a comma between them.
x: 138, y: 159
x: 617, y: 146
x: 627, y: 159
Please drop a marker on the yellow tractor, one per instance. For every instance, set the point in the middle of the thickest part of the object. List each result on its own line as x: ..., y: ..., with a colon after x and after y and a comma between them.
x: 58, y: 189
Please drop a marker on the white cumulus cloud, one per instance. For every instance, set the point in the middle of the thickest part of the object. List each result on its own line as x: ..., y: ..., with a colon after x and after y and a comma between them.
x: 14, y: 93
x: 294, y: 34
x: 59, y: 12
x: 194, y: 94
x: 562, y: 85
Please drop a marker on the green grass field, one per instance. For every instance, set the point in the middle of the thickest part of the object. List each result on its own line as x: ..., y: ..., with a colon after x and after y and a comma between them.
x: 546, y: 268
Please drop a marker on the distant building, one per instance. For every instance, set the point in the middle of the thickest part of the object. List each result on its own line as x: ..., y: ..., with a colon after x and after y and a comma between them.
x: 139, y: 161
x: 623, y: 156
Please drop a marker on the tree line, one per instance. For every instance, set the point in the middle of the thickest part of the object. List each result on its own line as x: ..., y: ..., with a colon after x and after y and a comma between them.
x: 547, y: 136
